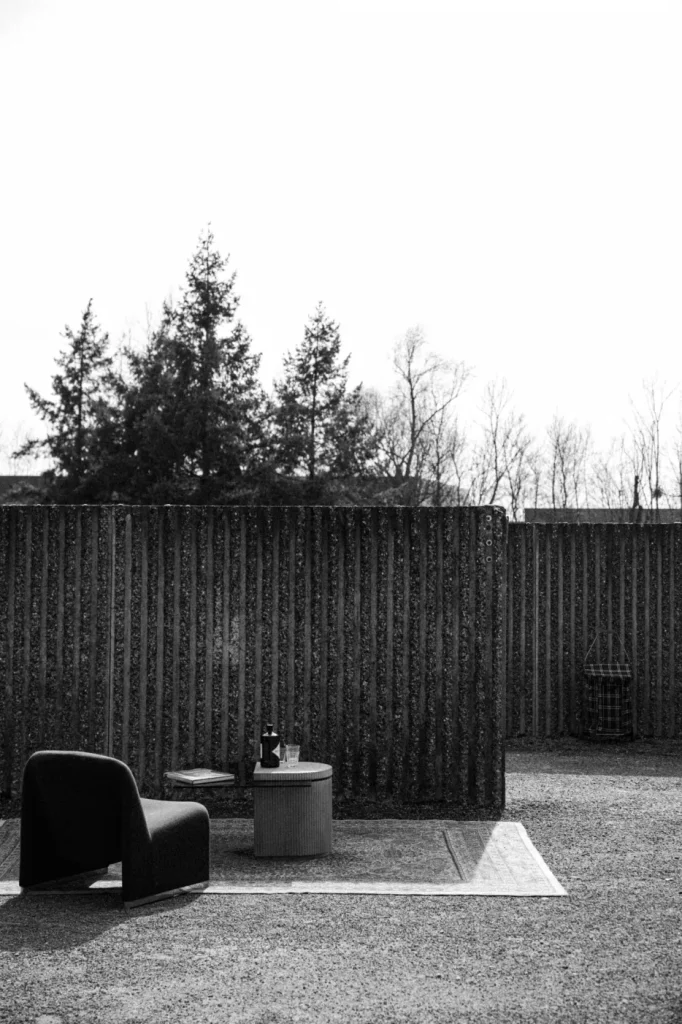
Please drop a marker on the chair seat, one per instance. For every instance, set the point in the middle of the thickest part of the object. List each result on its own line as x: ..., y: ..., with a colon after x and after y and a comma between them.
x: 160, y: 814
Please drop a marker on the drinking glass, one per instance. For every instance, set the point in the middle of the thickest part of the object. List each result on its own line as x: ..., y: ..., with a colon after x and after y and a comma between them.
x: 293, y: 750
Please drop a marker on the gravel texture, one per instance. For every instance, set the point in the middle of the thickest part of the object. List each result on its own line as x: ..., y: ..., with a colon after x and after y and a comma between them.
x: 606, y: 820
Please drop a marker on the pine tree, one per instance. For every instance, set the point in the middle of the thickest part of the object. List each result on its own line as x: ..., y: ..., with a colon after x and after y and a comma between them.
x: 194, y: 410
x: 82, y: 393
x: 142, y: 451
x: 321, y: 430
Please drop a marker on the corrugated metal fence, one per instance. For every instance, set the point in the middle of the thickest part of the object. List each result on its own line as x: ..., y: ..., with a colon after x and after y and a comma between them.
x: 168, y: 636
x: 570, y: 584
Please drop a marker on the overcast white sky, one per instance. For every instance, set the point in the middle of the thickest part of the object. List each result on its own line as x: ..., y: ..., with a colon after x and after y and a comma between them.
x: 507, y: 175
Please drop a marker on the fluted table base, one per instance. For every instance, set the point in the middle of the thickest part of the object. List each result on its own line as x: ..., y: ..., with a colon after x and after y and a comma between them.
x: 292, y: 810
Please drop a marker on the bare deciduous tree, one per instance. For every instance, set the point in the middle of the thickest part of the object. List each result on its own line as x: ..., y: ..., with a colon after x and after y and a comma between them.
x: 16, y: 462
x: 648, y: 451
x: 676, y: 462
x: 570, y: 448
x: 537, y: 469
x: 496, y: 468
x: 612, y: 476
x: 416, y: 425
x: 521, y: 473
x: 448, y: 442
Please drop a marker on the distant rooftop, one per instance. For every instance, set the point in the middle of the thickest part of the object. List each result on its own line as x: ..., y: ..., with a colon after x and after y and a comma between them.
x: 602, y: 515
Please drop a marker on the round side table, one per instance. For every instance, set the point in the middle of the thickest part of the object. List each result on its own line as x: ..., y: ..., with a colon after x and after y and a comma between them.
x: 292, y: 810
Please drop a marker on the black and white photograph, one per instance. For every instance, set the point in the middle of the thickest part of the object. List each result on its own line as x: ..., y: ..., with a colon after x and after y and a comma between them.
x: 341, y: 512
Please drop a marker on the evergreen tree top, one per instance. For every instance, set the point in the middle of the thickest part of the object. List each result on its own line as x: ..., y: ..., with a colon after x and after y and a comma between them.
x: 209, y: 297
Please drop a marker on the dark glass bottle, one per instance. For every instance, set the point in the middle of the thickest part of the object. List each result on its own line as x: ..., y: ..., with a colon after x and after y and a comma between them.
x: 269, y: 748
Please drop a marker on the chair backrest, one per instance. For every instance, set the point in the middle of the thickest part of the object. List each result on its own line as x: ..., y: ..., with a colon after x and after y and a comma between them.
x: 81, y: 800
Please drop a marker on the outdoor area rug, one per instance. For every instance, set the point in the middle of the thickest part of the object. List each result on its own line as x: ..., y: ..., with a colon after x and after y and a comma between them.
x: 385, y: 856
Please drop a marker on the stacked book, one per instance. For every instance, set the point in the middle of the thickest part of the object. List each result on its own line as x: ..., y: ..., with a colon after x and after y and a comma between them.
x: 200, y: 777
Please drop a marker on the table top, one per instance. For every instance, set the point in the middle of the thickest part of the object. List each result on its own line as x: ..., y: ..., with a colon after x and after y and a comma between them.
x: 302, y: 772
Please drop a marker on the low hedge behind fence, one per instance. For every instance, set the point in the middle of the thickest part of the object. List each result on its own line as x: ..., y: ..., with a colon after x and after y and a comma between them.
x: 167, y: 636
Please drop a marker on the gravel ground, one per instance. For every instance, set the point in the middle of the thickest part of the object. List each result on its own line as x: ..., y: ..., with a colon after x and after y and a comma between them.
x: 607, y: 821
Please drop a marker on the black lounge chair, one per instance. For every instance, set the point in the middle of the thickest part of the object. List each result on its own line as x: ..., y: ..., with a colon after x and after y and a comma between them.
x: 81, y: 812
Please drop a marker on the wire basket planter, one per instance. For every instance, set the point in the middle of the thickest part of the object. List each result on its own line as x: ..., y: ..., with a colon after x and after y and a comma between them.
x: 608, y: 704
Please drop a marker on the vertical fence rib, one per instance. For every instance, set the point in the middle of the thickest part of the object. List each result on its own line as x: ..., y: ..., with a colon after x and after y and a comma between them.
x: 536, y: 638
x: 26, y: 692
x: 548, y: 631
x: 621, y: 591
x: 561, y: 723
x: 511, y: 687
x: 175, y: 700
x: 499, y: 624
x: 585, y: 608
x: 422, y: 642
x: 472, y: 667
x: 456, y: 784
x: 111, y: 637
x: 373, y: 626
x: 274, y: 629
x: 357, y: 646
x: 522, y: 637
x: 59, y: 631
x: 307, y: 627
x: 258, y: 637
x: 609, y: 595
x: 406, y: 644
x: 192, y: 652
x: 646, y: 709
x: 209, y: 642
x: 144, y: 626
x: 670, y: 710
x: 658, y: 730
x: 324, y: 628
x: 633, y: 635
x: 291, y: 631
x: 225, y: 659
x: 597, y: 591
x: 340, y: 645
x: 9, y: 723
x: 42, y: 664
x: 438, y: 683
x: 127, y: 587
x: 571, y: 635
x: 160, y: 649
x: 389, y: 673
x: 74, y: 724
x: 489, y: 625
x: 92, y: 638
x: 241, y: 683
